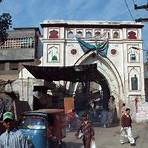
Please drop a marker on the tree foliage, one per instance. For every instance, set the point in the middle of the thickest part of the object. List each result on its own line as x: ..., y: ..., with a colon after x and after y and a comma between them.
x: 5, y: 24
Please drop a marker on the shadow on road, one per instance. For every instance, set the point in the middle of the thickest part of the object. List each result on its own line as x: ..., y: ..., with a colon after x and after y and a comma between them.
x: 73, y: 145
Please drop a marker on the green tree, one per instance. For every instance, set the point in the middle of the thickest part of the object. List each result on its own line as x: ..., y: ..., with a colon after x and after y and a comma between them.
x: 5, y: 24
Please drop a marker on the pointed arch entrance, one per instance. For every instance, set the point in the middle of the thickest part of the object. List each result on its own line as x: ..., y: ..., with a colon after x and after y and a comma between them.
x: 108, y: 77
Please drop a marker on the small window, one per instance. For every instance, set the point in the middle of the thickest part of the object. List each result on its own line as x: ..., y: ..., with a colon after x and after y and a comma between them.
x: 134, y: 83
x: 88, y: 34
x: 132, y: 35
x: 97, y: 33
x: 79, y: 33
x: 13, y: 66
x: 70, y: 35
x: 53, y: 34
x: 132, y: 57
x: 116, y: 35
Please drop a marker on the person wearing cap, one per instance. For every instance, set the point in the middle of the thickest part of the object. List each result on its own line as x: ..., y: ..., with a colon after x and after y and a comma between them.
x: 12, y: 137
x: 87, y: 131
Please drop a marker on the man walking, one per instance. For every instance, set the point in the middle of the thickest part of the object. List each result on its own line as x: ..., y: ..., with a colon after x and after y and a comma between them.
x: 126, y: 128
x: 12, y: 137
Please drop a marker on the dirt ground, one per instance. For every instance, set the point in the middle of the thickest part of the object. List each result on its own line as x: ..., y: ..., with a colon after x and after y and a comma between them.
x: 109, y: 137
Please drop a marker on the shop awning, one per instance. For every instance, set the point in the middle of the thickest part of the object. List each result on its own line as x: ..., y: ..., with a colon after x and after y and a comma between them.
x: 66, y: 73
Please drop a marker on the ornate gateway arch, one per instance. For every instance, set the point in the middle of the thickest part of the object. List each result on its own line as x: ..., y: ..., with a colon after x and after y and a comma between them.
x: 108, y: 70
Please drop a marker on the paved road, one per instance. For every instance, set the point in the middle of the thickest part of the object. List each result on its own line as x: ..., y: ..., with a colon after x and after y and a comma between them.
x: 109, y: 137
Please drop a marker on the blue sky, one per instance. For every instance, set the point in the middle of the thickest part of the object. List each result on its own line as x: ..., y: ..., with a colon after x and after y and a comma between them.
x: 32, y: 12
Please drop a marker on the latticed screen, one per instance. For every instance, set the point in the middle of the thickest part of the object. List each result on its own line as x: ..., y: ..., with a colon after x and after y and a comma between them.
x: 27, y: 42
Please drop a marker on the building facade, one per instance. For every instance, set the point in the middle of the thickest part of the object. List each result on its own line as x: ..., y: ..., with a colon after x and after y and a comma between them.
x: 120, y: 73
x: 19, y: 49
x: 123, y: 68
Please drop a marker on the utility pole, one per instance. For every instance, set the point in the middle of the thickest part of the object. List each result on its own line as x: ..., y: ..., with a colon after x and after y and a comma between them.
x: 141, y: 7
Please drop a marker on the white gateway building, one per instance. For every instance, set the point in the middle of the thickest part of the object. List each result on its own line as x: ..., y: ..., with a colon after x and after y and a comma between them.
x: 120, y: 71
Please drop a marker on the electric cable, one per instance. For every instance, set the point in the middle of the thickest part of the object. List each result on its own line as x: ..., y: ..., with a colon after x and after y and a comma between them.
x: 134, y: 2
x: 129, y: 10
